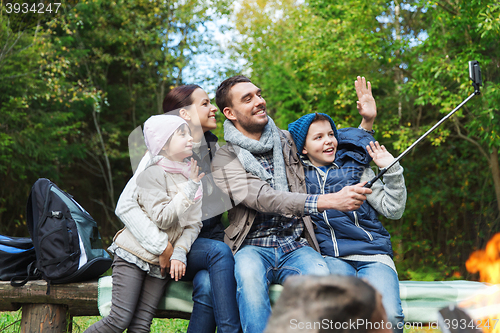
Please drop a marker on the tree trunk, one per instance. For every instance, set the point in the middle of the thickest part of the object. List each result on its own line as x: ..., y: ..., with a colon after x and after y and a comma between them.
x: 106, y: 172
x: 495, y: 172
x: 159, y: 95
x: 397, y: 70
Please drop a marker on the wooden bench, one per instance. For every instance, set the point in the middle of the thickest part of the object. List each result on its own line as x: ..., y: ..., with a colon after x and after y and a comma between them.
x: 53, y: 313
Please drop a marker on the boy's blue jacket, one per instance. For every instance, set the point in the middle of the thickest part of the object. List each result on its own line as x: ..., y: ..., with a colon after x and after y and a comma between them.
x: 346, y: 233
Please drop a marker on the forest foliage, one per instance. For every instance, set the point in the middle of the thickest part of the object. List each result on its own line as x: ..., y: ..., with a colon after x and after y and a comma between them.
x: 73, y: 85
x: 415, y: 53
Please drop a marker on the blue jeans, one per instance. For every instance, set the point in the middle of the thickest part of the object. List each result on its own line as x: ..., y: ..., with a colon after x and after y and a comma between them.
x: 381, y: 277
x: 211, y: 267
x: 257, y: 267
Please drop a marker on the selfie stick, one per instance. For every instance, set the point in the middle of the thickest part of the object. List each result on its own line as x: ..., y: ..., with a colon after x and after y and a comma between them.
x: 475, y: 76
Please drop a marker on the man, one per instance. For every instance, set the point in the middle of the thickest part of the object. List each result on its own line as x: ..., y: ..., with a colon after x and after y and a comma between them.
x: 270, y: 231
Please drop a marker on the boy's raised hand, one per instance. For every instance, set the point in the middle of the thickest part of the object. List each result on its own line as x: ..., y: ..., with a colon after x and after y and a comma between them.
x: 177, y: 269
x: 366, y: 103
x: 195, y: 169
x: 380, y: 155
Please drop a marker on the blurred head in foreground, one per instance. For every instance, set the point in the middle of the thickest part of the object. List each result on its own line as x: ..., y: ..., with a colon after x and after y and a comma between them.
x: 331, y: 303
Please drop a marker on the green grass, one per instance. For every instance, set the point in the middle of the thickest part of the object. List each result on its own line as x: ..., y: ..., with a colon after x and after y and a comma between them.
x: 10, y: 322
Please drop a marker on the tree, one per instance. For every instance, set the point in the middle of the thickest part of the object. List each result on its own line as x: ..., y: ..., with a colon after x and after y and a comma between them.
x: 98, y: 70
x: 35, y: 129
x: 463, y: 31
x: 305, y: 55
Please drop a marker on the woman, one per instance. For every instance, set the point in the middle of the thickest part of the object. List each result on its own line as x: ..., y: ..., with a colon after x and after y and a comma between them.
x: 210, y: 261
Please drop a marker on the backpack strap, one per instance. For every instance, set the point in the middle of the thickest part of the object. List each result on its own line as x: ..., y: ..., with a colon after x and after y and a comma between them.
x: 32, y: 274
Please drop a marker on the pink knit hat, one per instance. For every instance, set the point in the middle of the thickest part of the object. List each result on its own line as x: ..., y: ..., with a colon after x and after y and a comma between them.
x: 158, y: 129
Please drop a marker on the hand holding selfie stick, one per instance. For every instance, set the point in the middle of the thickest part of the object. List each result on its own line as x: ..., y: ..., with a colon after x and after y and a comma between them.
x: 475, y: 76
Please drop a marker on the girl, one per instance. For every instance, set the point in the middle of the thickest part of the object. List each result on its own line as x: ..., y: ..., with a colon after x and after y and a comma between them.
x: 169, y: 192
x: 210, y: 261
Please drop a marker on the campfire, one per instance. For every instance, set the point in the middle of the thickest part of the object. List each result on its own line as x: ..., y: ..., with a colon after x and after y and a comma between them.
x: 487, y: 261
x: 484, y: 307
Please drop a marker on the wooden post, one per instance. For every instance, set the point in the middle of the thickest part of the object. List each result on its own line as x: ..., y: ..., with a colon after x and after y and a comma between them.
x: 45, y: 318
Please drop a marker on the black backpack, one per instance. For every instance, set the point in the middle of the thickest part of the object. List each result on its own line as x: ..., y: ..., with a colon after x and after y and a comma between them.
x: 16, y: 254
x: 66, y: 239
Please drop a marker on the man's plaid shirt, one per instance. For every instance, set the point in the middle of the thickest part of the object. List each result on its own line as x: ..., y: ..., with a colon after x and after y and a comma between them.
x: 270, y: 230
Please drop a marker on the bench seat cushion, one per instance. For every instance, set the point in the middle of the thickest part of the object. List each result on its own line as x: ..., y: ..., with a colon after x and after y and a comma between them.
x: 421, y: 300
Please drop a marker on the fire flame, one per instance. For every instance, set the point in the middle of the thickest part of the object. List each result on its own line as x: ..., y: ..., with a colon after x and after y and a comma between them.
x: 485, y: 308
x: 487, y: 261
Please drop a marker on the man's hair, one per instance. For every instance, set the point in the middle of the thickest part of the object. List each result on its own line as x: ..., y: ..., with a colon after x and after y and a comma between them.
x: 178, y: 98
x: 313, y: 299
x: 222, y: 95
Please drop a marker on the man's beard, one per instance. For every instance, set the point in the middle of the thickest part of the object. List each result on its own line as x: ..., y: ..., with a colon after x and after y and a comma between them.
x: 248, y: 125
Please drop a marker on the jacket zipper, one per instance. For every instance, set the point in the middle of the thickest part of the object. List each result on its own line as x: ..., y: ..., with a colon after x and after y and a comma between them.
x: 356, y: 222
x: 325, y: 217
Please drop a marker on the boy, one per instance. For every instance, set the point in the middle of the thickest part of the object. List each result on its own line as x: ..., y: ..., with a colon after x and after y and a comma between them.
x: 353, y: 243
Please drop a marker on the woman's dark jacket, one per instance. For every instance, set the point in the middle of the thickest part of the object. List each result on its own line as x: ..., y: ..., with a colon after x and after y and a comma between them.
x: 213, y: 203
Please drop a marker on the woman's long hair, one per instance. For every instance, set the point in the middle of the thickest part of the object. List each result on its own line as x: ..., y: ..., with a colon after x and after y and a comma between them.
x: 178, y: 98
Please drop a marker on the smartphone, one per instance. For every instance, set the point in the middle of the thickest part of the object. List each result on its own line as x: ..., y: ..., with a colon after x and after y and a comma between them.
x: 475, y: 73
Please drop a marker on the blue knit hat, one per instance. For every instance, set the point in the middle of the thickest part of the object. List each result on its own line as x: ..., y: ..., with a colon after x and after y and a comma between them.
x: 299, y: 128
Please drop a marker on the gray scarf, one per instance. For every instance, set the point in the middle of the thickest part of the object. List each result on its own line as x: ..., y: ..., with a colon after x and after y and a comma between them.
x: 269, y: 140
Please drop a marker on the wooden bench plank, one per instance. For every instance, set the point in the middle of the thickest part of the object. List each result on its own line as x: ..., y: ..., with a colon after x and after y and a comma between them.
x: 79, y: 298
